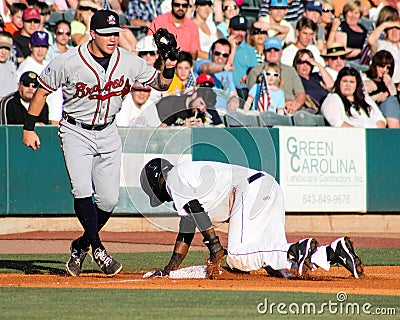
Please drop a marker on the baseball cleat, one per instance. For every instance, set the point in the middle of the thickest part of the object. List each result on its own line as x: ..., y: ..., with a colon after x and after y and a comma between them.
x: 78, y: 255
x: 345, y: 255
x: 301, y: 252
x: 106, y: 263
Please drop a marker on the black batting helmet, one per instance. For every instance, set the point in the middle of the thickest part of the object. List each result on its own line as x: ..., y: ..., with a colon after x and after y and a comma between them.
x: 150, y: 179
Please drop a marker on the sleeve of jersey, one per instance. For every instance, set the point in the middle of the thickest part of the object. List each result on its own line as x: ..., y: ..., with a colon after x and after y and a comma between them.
x: 53, y: 75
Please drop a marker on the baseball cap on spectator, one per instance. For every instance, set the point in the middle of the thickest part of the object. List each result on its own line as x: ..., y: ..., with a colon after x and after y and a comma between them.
x: 137, y: 86
x: 208, y: 96
x: 203, y: 2
x: 205, y: 80
x: 31, y: 14
x: 278, y: 4
x: 39, y: 39
x: 313, y: 6
x: 29, y: 77
x: 272, y: 43
x: 6, y: 42
x: 105, y: 21
x: 238, y: 22
x: 146, y: 44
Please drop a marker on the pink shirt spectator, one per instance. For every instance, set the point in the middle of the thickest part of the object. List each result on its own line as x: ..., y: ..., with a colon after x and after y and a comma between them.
x: 187, y: 33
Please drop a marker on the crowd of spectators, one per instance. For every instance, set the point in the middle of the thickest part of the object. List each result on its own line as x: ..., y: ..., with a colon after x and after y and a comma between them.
x: 340, y: 59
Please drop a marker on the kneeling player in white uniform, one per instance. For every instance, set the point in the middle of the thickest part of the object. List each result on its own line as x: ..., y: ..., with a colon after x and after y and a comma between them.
x: 207, y: 193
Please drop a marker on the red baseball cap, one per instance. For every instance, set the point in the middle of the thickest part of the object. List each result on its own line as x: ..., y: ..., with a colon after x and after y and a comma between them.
x: 31, y: 14
x: 205, y: 79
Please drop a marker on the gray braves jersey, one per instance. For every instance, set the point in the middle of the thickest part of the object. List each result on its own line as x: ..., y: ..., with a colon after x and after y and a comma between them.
x: 91, y: 94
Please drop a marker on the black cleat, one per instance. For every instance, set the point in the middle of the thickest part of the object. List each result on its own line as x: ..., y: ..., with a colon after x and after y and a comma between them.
x: 78, y: 255
x: 107, y: 264
x: 301, y: 252
x: 346, y: 256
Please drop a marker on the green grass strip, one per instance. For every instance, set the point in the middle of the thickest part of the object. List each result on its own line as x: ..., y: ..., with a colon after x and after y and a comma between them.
x: 71, y: 304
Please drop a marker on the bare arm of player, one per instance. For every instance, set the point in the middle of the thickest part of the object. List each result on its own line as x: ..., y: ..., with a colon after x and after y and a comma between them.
x: 29, y: 136
x: 164, y: 78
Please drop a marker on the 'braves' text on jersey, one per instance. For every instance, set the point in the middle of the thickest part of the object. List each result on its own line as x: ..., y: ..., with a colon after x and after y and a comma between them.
x: 90, y: 93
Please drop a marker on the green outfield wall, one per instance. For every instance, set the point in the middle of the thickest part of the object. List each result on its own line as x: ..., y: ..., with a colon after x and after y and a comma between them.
x: 36, y: 182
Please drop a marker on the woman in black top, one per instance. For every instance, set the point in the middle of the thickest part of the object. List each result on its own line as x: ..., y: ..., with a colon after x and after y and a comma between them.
x: 316, y: 84
x: 381, y: 88
x: 351, y: 31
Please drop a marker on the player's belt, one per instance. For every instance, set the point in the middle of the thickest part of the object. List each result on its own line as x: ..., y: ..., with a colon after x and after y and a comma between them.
x: 96, y: 127
x: 255, y: 176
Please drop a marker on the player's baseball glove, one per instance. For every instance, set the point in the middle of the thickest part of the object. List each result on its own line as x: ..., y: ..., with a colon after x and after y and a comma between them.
x: 166, y: 44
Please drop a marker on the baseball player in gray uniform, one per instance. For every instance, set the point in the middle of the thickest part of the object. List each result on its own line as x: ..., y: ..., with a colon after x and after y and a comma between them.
x: 206, y: 194
x: 95, y: 77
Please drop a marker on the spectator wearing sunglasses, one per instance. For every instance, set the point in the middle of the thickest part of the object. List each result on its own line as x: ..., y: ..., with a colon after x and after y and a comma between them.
x: 178, y: 23
x: 335, y: 58
x: 31, y: 22
x: 81, y: 24
x: 230, y: 9
x: 8, y: 69
x: 220, y: 68
x: 62, y: 36
x: 328, y: 16
x: 14, y: 107
x: 390, y: 43
x: 316, y: 84
x: 256, y: 39
x: 381, y: 88
x: 293, y: 88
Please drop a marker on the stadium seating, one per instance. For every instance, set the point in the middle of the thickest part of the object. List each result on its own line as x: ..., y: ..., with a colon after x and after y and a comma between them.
x: 241, y: 119
x: 271, y: 119
x: 307, y: 119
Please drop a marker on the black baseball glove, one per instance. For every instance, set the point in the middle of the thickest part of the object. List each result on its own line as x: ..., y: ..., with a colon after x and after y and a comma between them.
x: 166, y: 44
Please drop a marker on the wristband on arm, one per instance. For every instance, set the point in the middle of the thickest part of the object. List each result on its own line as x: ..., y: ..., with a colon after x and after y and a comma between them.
x: 168, y: 73
x: 30, y: 121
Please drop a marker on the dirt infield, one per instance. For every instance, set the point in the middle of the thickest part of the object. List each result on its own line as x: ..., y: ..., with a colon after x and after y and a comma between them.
x: 377, y: 280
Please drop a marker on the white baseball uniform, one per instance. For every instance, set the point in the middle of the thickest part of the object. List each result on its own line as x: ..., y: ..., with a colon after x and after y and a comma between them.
x: 256, y: 236
x: 88, y: 132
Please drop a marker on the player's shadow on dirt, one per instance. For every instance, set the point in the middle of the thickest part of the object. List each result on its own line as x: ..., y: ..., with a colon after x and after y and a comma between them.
x: 34, y: 266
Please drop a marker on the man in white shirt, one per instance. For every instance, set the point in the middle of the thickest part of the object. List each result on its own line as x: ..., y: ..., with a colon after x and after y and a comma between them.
x: 305, y: 30
x: 138, y: 110
x: 8, y: 69
x: 39, y: 45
